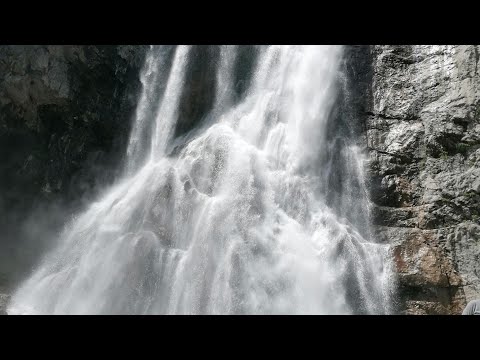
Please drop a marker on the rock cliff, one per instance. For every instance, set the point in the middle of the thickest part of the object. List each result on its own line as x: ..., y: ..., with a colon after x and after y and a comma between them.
x: 421, y: 116
x: 65, y: 115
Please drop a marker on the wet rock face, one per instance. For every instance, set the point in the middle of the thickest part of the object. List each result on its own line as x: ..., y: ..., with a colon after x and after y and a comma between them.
x: 3, y: 303
x: 65, y: 115
x: 61, y: 107
x: 422, y: 127
x: 198, y: 95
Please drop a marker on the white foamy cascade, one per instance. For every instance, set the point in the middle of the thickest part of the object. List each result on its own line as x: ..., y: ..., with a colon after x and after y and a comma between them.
x: 238, y: 218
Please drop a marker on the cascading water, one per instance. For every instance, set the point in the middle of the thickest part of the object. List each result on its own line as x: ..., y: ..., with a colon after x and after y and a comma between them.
x: 261, y: 209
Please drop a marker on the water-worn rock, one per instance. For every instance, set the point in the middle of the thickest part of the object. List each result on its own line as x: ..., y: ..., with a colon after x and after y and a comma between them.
x: 65, y: 115
x: 422, y: 121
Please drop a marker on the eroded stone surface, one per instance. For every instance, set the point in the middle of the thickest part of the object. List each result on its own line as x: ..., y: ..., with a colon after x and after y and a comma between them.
x: 422, y: 123
x: 65, y: 115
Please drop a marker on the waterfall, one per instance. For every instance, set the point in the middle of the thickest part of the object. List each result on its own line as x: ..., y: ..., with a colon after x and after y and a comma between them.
x: 261, y: 208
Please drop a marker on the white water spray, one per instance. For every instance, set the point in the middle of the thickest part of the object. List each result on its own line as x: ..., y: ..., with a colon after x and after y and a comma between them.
x: 239, y: 219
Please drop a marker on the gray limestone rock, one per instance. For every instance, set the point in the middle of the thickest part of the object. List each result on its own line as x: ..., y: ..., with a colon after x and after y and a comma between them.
x: 422, y: 125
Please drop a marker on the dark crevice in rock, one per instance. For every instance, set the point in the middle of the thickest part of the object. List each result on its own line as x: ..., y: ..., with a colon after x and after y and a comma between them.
x: 389, y: 117
x: 198, y: 93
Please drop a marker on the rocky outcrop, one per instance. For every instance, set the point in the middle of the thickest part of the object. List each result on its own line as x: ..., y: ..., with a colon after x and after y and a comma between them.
x: 422, y: 128
x: 65, y: 115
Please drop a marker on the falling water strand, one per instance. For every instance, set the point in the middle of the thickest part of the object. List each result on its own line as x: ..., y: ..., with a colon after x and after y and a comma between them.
x: 239, y: 219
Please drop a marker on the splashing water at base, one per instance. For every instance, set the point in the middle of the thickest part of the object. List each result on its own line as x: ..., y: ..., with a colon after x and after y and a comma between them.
x: 236, y: 218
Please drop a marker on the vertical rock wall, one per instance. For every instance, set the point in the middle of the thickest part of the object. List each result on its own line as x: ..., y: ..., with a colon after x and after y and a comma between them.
x: 421, y: 112
x: 65, y: 115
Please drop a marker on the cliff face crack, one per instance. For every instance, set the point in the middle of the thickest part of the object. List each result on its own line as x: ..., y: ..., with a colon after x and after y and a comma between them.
x: 389, y: 117
x: 388, y: 153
